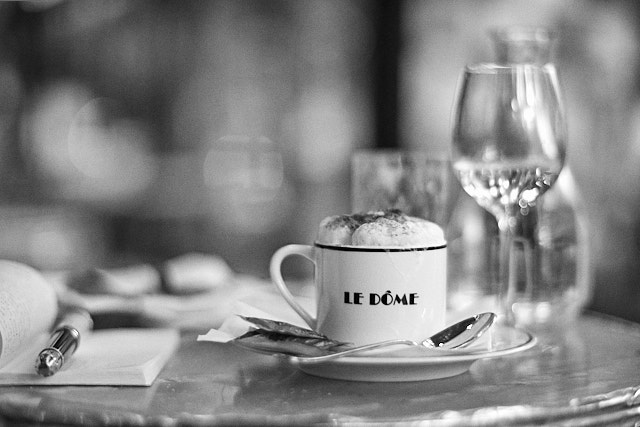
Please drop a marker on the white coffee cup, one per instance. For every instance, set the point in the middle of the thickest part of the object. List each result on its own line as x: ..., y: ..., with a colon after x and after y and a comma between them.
x: 371, y: 294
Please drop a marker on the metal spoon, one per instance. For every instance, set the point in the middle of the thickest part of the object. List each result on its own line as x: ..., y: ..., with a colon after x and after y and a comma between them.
x: 458, y: 335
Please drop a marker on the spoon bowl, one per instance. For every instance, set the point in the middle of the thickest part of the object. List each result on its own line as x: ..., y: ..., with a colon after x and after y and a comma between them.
x: 462, y: 333
x: 458, y: 335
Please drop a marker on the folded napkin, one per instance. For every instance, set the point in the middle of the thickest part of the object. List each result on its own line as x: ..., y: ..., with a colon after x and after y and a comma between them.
x: 235, y: 326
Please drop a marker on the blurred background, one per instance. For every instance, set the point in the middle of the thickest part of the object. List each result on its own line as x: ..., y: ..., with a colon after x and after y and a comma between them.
x: 135, y: 131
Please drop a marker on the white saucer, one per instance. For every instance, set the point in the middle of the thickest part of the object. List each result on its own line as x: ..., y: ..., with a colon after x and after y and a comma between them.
x: 400, y: 368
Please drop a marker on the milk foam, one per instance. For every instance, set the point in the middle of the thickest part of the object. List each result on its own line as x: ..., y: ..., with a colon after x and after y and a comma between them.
x: 390, y: 228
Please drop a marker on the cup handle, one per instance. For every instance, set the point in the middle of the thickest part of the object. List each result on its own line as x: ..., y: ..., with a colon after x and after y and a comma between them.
x: 276, y: 276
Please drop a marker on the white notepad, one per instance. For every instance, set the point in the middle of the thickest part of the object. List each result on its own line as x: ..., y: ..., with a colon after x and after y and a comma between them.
x: 109, y: 357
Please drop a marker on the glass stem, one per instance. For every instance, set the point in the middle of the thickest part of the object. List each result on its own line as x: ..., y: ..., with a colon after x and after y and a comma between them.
x: 506, y: 277
x: 516, y: 264
x: 507, y: 265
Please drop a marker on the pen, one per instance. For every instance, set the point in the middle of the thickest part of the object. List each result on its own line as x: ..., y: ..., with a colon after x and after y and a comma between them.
x: 64, y: 341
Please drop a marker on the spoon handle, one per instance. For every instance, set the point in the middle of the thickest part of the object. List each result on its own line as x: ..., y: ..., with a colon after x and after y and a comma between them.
x: 355, y: 350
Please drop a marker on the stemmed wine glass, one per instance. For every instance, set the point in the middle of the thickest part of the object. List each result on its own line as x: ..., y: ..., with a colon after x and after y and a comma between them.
x: 508, y: 148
